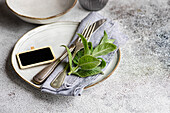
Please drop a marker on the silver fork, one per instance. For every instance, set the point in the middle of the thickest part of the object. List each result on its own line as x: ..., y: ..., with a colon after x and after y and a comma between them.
x: 77, y: 45
x: 59, y: 79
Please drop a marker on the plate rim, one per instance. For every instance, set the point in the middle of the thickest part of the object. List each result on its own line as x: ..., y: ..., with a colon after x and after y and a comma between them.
x: 61, y: 22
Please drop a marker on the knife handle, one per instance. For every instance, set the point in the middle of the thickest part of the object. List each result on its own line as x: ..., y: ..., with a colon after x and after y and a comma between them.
x: 43, y: 74
x: 40, y: 77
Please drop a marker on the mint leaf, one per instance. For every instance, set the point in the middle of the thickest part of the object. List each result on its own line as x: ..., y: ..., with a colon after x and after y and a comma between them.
x: 86, y: 73
x: 103, y: 49
x: 102, y: 64
x: 78, y: 56
x: 110, y: 41
x: 85, y: 43
x: 88, y: 62
x: 105, y: 39
x: 75, y: 60
x: 91, y: 47
x: 69, y: 56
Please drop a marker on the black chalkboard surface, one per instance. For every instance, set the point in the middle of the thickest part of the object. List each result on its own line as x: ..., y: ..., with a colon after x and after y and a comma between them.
x: 35, y: 57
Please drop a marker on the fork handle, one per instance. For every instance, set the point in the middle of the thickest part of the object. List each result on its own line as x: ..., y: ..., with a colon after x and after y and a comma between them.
x: 44, y: 73
x: 59, y: 79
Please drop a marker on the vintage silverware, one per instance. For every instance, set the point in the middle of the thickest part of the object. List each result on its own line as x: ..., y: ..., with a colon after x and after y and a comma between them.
x: 59, y: 79
x: 43, y: 74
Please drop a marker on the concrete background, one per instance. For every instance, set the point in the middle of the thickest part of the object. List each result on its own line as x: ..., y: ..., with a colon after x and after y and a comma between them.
x: 141, y: 83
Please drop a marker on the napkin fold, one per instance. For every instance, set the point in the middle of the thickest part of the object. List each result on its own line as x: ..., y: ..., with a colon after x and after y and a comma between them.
x: 74, y: 85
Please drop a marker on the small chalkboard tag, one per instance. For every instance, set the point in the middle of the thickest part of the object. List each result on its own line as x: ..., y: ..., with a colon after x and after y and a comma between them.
x: 35, y: 57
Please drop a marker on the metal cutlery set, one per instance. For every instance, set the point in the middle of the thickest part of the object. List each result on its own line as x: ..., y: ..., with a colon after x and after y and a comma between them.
x: 75, y: 47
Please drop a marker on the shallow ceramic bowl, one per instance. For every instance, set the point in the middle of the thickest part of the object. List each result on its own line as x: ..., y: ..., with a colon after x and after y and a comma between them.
x: 40, y: 11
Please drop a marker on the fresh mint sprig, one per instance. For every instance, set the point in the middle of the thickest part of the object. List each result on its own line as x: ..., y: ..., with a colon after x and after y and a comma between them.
x: 87, y: 61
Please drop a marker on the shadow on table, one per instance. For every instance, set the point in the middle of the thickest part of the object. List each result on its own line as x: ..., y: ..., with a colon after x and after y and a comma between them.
x: 9, y: 20
x: 12, y: 23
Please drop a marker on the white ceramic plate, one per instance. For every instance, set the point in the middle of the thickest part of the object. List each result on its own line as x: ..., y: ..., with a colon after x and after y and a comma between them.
x: 40, y: 11
x: 53, y: 35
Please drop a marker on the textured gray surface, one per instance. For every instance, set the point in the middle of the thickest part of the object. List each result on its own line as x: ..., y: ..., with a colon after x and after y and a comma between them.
x: 141, y: 83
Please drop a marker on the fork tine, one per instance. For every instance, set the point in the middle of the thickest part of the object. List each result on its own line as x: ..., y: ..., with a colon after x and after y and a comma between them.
x: 86, y: 30
x: 91, y: 31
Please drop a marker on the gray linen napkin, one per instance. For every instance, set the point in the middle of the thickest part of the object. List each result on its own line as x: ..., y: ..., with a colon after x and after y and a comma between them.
x: 74, y: 85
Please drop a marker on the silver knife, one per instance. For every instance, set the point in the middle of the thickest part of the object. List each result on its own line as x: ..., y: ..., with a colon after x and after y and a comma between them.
x: 43, y: 74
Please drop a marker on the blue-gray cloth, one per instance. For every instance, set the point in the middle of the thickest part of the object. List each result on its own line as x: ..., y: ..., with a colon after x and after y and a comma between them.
x: 74, y: 85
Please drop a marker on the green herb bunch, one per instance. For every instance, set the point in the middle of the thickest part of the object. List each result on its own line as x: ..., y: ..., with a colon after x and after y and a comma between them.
x: 87, y: 61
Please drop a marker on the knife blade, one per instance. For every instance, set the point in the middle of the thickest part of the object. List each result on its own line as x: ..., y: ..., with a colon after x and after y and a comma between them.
x: 44, y: 74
